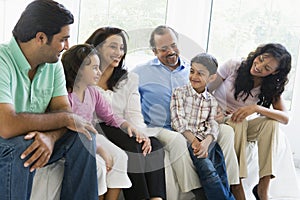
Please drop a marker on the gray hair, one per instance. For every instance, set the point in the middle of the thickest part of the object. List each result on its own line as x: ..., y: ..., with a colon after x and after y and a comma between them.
x: 160, y: 30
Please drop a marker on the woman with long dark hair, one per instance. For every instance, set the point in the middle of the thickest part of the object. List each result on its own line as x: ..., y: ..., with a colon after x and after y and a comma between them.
x: 145, y: 169
x: 255, y: 85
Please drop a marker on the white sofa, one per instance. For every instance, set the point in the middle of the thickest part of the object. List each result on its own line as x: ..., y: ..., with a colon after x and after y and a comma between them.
x: 285, y: 186
x: 47, y: 183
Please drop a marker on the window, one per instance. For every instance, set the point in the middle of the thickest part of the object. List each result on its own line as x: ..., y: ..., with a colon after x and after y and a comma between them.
x: 126, y: 14
x: 9, y: 15
x: 136, y: 17
x: 11, y: 10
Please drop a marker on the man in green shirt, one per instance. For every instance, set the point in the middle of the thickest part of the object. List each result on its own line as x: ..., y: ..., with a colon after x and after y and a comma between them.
x: 36, y: 123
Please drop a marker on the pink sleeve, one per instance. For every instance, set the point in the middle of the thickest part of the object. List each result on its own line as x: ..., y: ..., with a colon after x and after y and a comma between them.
x: 104, y: 110
x: 70, y: 99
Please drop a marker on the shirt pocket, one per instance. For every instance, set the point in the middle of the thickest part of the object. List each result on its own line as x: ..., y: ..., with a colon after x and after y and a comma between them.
x: 41, y: 99
x: 187, y: 104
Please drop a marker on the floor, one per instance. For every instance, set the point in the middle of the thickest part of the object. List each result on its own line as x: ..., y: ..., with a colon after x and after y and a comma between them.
x: 251, y: 197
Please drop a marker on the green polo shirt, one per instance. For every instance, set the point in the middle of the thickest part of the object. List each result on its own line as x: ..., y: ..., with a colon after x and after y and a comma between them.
x: 17, y: 89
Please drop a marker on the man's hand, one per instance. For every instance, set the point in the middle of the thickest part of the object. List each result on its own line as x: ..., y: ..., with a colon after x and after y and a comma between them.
x: 41, y: 149
x: 80, y: 125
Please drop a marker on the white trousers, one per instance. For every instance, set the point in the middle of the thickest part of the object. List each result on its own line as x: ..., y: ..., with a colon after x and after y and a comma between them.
x: 47, y: 180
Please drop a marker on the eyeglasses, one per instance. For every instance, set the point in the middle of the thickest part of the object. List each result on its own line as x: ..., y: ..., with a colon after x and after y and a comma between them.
x: 166, y: 48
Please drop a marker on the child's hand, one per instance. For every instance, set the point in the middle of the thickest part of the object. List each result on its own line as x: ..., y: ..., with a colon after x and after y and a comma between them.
x: 105, y: 155
x: 201, y: 148
x: 205, y: 144
x: 198, y: 149
x: 80, y: 125
x: 108, y: 160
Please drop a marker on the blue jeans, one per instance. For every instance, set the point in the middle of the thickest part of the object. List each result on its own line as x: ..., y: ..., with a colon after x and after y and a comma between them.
x: 212, y: 174
x: 79, y: 181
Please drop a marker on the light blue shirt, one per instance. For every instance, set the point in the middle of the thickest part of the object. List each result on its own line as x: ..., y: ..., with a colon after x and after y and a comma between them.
x: 156, y: 83
x: 17, y: 89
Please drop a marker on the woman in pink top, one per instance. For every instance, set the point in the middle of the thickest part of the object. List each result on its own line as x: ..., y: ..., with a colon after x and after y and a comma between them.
x: 255, y: 86
x: 81, y: 67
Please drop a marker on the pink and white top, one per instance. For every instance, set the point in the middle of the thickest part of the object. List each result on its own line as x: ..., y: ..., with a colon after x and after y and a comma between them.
x: 225, y: 92
x: 94, y: 104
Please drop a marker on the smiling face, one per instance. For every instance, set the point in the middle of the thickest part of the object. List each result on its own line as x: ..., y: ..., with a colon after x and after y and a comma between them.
x: 264, y: 65
x: 199, y: 77
x: 111, y: 52
x: 166, y: 49
x: 89, y: 73
x: 51, y: 51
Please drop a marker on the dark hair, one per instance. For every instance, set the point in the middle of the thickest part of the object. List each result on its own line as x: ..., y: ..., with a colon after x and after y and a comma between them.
x: 98, y: 38
x: 45, y: 16
x: 73, y: 59
x: 160, y: 30
x: 207, y: 60
x: 272, y: 86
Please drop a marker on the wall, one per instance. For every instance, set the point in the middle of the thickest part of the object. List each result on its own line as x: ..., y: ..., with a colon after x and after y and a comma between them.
x: 292, y: 129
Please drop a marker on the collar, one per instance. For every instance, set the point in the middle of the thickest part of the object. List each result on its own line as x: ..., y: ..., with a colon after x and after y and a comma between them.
x: 182, y: 64
x: 205, y: 94
x: 20, y: 59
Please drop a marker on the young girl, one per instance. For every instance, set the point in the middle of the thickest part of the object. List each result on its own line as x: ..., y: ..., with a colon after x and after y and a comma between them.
x: 81, y: 67
x: 255, y: 85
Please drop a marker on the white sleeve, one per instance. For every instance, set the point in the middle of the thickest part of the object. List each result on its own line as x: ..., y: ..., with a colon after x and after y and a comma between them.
x: 133, y: 111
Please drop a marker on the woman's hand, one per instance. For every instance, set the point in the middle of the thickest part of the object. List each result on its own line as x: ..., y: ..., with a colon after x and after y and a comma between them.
x: 243, y: 112
x: 132, y: 132
x: 222, y: 114
x: 220, y: 117
x: 147, y: 148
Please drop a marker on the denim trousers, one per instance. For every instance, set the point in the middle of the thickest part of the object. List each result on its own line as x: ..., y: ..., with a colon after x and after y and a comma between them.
x: 79, y: 181
x: 212, y: 173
